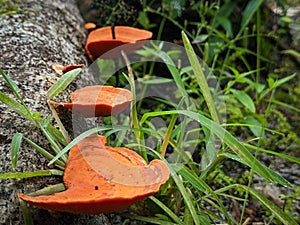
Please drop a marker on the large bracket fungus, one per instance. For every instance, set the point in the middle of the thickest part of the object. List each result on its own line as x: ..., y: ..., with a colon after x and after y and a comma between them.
x: 103, y: 179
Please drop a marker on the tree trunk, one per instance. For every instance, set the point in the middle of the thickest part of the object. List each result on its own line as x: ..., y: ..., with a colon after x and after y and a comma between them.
x: 33, y: 36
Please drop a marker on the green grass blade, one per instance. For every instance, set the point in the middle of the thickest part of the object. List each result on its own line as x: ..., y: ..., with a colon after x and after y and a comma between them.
x: 10, y: 82
x: 283, y: 217
x: 168, y: 135
x: 200, y: 77
x: 288, y: 157
x: 283, y: 80
x: 40, y: 173
x: 44, y: 152
x: 172, y: 215
x: 51, y: 189
x: 63, y: 82
x: 273, y: 174
x: 21, y: 110
x: 14, y: 105
x: 55, y: 146
x: 285, y: 105
x: 199, y: 184
x: 188, y: 201
x: 26, y: 213
x: 79, y: 138
x: 147, y: 219
x: 55, y: 133
x: 15, y: 90
x: 15, y: 148
x: 292, y: 52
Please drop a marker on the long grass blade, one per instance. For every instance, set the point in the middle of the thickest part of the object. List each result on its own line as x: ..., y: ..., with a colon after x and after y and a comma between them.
x: 14, y: 105
x: 40, y: 173
x: 147, y: 219
x: 200, y: 77
x: 79, y: 138
x: 199, y: 184
x: 63, y: 82
x: 26, y: 213
x: 283, y: 217
x: 44, y: 152
x: 49, y: 190
x: 172, y: 215
x: 188, y: 201
x: 288, y: 157
x: 15, y: 148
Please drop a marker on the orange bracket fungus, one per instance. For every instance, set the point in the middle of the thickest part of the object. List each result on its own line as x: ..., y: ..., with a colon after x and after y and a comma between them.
x: 94, y: 101
x: 103, y: 179
x: 104, y: 39
x: 63, y: 69
x: 89, y: 26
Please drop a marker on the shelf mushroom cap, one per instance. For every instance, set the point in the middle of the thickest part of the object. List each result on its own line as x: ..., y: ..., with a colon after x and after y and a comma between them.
x: 94, y: 101
x: 101, y: 40
x: 103, y: 179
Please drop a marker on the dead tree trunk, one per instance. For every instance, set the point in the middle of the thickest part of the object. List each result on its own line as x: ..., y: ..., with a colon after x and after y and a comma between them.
x: 32, y: 38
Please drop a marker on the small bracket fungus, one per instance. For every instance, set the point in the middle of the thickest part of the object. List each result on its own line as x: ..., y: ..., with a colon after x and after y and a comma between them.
x: 104, y: 39
x: 60, y: 69
x: 94, y: 101
x: 89, y: 26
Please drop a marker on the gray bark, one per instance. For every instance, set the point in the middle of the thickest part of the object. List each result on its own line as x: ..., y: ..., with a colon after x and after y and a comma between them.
x: 45, y: 32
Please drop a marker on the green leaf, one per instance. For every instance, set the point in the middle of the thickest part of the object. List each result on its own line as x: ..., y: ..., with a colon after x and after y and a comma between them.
x: 271, y: 82
x: 40, y: 173
x: 226, y: 24
x: 63, y: 82
x: 200, y: 185
x: 256, y: 127
x: 200, y: 38
x: 283, y: 80
x: 21, y: 110
x: 46, y: 122
x: 144, y: 21
x: 157, y: 81
x: 249, y: 11
x: 245, y: 99
x: 15, y: 148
